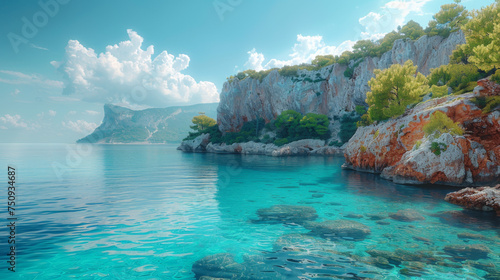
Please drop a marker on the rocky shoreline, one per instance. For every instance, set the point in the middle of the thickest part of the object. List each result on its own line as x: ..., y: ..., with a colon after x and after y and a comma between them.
x: 304, y: 147
x: 400, y: 151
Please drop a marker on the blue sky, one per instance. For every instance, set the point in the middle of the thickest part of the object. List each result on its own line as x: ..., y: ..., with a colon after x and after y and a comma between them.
x: 57, y: 74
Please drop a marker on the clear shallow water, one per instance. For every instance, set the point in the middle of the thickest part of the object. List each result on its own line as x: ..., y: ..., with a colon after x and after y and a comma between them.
x: 138, y: 211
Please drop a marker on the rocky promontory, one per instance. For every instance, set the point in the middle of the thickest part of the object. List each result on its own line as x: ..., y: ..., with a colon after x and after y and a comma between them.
x: 401, y: 152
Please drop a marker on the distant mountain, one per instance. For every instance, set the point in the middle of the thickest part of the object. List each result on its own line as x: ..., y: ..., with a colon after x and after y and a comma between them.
x: 158, y: 125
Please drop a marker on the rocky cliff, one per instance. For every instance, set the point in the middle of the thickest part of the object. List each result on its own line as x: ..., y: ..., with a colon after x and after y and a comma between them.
x: 158, y: 125
x: 400, y: 151
x: 326, y: 91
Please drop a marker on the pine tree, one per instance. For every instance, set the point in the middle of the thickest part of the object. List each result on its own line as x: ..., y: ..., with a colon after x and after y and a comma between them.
x: 393, y: 89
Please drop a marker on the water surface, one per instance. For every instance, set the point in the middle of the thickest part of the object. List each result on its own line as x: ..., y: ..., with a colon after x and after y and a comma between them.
x: 150, y: 211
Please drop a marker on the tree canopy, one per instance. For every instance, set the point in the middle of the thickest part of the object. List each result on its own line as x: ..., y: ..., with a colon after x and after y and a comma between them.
x: 202, y: 122
x: 393, y: 89
x: 482, y: 36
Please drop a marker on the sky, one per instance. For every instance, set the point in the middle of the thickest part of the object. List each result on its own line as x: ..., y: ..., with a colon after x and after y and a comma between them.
x: 62, y: 60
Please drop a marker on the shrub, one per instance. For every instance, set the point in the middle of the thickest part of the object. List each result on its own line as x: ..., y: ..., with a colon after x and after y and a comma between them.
x: 418, y: 144
x: 362, y: 148
x: 438, y: 147
x: 375, y: 135
x: 439, y: 91
x: 486, y: 103
x: 457, y: 76
x: 281, y: 141
x: 394, y: 89
x: 441, y: 123
x: 496, y: 77
x: 360, y: 110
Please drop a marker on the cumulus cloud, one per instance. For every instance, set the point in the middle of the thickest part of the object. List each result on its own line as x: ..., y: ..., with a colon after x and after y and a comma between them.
x: 127, y: 74
x: 389, y: 17
x: 18, y: 78
x: 13, y: 121
x: 80, y: 126
x: 304, y: 51
x: 52, y: 113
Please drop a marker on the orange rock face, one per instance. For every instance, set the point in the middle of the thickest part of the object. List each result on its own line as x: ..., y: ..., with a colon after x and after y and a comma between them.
x: 399, y: 149
x: 484, y: 198
x: 490, y: 88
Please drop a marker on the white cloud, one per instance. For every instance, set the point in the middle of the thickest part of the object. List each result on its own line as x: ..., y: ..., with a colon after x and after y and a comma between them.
x: 255, y: 60
x: 13, y: 121
x: 389, y: 17
x: 80, y: 126
x: 15, y: 92
x: 18, y: 78
x: 128, y: 74
x: 52, y: 113
x: 92, y: 113
x: 304, y: 51
x: 71, y: 113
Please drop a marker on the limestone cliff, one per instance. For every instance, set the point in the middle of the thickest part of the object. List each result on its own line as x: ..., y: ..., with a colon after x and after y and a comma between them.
x: 157, y: 125
x: 400, y: 151
x: 326, y: 91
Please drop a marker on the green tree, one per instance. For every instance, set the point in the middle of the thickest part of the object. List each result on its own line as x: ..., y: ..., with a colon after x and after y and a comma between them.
x: 441, y: 123
x: 287, y: 122
x: 363, y: 48
x: 202, y: 122
x: 393, y: 89
x: 481, y: 37
x: 450, y: 17
x: 323, y: 60
x: 412, y: 30
x: 314, y: 126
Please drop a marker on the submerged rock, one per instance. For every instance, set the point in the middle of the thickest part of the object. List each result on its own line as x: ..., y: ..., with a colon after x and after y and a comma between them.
x: 287, y: 213
x: 376, y: 216
x: 466, y: 235
x: 483, y: 198
x: 303, y: 243
x: 468, y: 252
x: 218, y: 266
x: 339, y: 228
x: 407, y: 215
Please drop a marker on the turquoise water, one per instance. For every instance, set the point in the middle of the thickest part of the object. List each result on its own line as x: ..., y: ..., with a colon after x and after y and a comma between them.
x: 149, y: 211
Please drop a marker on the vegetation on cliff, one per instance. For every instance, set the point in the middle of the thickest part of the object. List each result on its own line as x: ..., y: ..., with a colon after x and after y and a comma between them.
x: 394, y: 89
x: 289, y: 126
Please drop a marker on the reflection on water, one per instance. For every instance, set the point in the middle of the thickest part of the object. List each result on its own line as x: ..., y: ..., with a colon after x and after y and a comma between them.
x: 149, y: 211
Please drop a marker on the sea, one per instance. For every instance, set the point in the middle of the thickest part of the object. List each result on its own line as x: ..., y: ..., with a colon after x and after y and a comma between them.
x: 152, y: 212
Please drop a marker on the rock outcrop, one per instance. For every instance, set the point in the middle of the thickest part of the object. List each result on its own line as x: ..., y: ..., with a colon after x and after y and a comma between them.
x: 301, y: 147
x: 157, y: 125
x: 483, y: 198
x: 326, y: 91
x: 400, y: 151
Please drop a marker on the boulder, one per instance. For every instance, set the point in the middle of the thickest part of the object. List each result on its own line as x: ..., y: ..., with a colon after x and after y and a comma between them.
x: 339, y: 228
x: 468, y: 252
x: 483, y: 198
x: 407, y: 215
x: 287, y: 214
x: 197, y: 145
x: 218, y: 266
